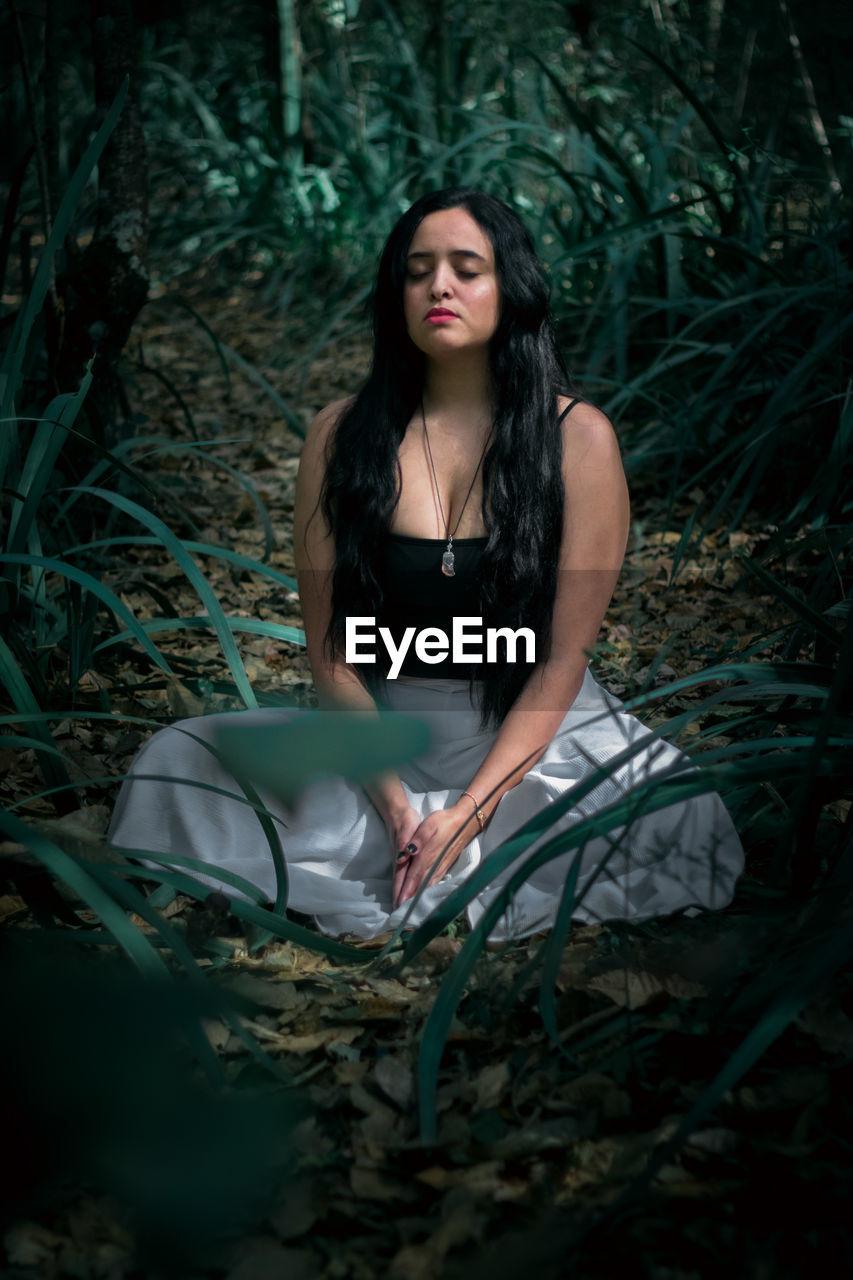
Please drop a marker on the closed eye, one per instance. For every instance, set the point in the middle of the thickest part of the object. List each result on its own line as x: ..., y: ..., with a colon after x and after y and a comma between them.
x: 422, y: 275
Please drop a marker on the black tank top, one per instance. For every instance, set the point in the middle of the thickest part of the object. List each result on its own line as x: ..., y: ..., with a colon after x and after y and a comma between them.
x: 417, y: 594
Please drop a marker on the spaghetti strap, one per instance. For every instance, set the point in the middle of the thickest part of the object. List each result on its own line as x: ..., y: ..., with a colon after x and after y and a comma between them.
x: 568, y: 409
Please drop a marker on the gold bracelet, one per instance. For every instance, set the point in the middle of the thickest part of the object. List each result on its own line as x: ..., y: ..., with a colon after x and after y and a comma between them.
x: 481, y: 817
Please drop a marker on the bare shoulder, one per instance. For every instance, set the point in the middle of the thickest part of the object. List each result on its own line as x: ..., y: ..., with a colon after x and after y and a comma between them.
x: 597, y: 511
x: 588, y: 437
x: 313, y: 546
x: 322, y: 428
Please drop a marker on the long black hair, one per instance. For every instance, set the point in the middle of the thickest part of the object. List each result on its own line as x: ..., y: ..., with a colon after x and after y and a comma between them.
x: 522, y: 480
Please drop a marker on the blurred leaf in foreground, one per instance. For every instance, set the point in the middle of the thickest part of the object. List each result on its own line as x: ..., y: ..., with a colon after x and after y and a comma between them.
x: 284, y: 758
x: 99, y: 1087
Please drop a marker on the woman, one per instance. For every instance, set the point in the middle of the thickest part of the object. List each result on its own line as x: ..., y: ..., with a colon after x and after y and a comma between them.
x: 463, y: 482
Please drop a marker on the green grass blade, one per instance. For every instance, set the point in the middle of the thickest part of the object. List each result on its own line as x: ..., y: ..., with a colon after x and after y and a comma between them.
x: 660, y: 791
x: 814, y: 620
x: 45, y: 717
x: 519, y: 843
x: 252, y: 626
x: 292, y: 419
x: 584, y: 122
x: 108, y: 597
x: 24, y: 743
x: 179, y: 860
x: 817, y: 968
x: 135, y: 901
x: 553, y: 952
x: 11, y: 371
x: 196, y: 578
x: 711, y: 125
x: 40, y: 461
x: 276, y: 924
x: 202, y: 548
x: 11, y: 676
x: 65, y: 868
x: 114, y: 883
x: 447, y: 1001
x: 246, y: 484
x: 180, y: 301
x: 120, y: 891
x: 110, y: 460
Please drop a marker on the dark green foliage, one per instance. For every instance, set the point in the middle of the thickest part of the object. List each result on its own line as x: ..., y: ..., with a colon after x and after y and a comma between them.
x: 697, y: 237
x: 191, y: 1165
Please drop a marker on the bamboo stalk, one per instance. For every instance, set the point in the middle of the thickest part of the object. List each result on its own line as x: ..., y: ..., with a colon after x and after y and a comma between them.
x: 290, y: 72
x: 38, y: 141
x: 813, y: 111
x: 743, y: 75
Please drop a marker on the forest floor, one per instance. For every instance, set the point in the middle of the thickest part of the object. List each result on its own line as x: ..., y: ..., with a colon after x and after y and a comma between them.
x: 543, y: 1140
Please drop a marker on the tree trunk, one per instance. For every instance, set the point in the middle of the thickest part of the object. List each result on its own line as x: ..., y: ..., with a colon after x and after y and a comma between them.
x: 52, y: 72
x: 290, y: 84
x: 107, y: 284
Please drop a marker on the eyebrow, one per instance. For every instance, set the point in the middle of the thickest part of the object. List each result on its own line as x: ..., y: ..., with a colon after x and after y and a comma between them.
x: 454, y: 253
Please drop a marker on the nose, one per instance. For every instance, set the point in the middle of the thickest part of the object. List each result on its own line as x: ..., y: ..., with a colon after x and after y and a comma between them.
x: 441, y: 280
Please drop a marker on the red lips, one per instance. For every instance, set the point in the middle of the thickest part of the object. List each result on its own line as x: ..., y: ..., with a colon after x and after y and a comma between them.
x: 439, y: 311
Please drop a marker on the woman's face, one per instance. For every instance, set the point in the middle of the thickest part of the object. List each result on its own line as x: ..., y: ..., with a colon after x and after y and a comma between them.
x: 451, y: 299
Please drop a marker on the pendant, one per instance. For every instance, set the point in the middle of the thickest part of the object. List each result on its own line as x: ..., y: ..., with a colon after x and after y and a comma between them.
x: 447, y: 562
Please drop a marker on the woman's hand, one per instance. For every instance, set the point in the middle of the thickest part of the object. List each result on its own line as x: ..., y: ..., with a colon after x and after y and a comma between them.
x: 448, y: 830
x: 401, y: 825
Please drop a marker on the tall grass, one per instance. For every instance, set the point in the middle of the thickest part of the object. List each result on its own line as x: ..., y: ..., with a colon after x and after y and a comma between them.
x: 701, y: 304
x: 55, y: 599
x: 714, y: 337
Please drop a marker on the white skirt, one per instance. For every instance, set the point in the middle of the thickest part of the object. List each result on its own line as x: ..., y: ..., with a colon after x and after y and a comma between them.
x: 339, y: 862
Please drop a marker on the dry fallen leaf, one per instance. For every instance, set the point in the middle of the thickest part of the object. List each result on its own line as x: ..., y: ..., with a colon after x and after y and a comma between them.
x: 830, y: 1026
x: 425, y: 1261
x: 326, y: 1038
x: 393, y: 1073
x: 490, y: 1085
x: 714, y: 1141
x: 28, y: 1244
x: 297, y: 1211
x: 266, y: 1259
x: 346, y: 1073
x: 216, y: 1031
x: 181, y: 701
x: 377, y: 1134
x: 267, y: 992
x: 594, y: 1091
x: 10, y: 905
x: 353, y: 1176
x: 544, y: 1135
x: 372, y: 1184
x: 485, y: 1179
x: 631, y: 990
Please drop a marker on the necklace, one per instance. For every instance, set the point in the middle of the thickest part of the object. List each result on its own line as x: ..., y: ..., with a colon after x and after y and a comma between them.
x: 448, y: 559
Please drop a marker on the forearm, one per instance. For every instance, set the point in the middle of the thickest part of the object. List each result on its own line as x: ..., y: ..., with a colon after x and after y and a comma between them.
x: 535, y: 716
x: 526, y: 731
x: 340, y: 689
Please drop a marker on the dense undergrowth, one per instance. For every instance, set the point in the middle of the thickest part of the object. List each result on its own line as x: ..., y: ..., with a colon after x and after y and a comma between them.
x: 702, y: 292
